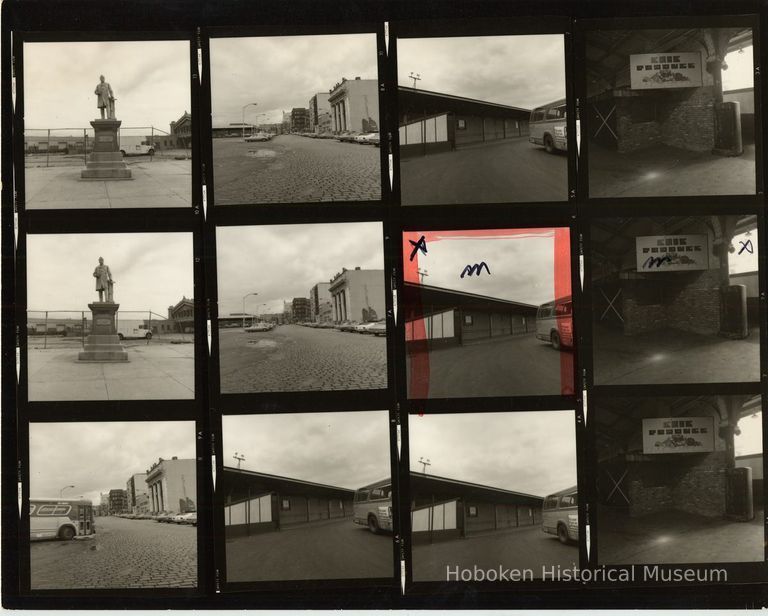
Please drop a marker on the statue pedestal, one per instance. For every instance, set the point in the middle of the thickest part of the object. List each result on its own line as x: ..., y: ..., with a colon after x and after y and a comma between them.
x: 105, y: 161
x: 103, y: 344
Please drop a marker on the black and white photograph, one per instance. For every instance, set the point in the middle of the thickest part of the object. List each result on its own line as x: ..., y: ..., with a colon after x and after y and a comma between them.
x: 301, y: 307
x: 671, y: 112
x: 307, y: 496
x: 295, y: 119
x: 680, y: 480
x: 110, y: 316
x: 107, y: 125
x: 482, y: 119
x: 675, y: 300
x: 488, y: 312
x: 491, y: 490
x: 113, y: 505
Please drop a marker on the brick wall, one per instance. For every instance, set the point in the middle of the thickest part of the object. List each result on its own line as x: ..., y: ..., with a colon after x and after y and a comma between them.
x: 701, y: 488
x: 687, y: 119
x: 687, y: 301
x: 682, y: 118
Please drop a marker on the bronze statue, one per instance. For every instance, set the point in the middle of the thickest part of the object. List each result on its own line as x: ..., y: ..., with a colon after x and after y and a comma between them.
x: 105, y: 99
x: 104, y: 281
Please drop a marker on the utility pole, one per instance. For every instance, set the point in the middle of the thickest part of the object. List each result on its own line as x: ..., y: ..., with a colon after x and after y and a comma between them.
x: 422, y: 273
x: 239, y: 457
x: 424, y: 464
x: 416, y: 77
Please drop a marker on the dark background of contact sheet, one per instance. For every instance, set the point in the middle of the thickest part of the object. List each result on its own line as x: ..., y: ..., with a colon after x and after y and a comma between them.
x: 198, y: 22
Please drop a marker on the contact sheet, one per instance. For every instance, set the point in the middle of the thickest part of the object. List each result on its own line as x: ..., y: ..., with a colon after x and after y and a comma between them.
x: 384, y: 306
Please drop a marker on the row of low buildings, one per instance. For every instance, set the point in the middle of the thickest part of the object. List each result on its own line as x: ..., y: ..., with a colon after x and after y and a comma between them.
x: 351, y: 295
x: 37, y: 141
x: 168, y: 485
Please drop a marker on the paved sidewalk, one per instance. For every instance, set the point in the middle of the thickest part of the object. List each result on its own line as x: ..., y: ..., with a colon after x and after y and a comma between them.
x: 664, y: 171
x: 674, y: 356
x: 677, y: 537
x: 159, y: 183
x: 156, y: 371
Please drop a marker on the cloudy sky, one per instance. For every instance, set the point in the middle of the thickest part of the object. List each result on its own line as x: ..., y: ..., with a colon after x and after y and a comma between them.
x: 151, y: 270
x: 529, y: 452
x: 745, y: 257
x: 280, y: 262
x: 521, y: 71
x: 150, y: 80
x: 347, y: 449
x: 740, y: 71
x: 521, y: 264
x: 751, y: 438
x: 282, y: 72
x: 96, y: 457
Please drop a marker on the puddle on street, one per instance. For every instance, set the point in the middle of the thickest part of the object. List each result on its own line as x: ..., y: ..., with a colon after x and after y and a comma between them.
x: 262, y: 153
x: 263, y: 344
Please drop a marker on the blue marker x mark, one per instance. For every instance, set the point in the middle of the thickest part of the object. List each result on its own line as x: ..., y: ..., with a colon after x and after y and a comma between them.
x: 746, y: 246
x: 420, y: 245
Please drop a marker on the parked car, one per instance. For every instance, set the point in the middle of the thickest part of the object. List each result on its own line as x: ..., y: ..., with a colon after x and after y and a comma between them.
x: 348, y: 326
x: 259, y: 327
x: 140, y: 149
x: 347, y: 136
x: 379, y: 328
x: 259, y: 137
x: 186, y: 518
x: 367, y: 138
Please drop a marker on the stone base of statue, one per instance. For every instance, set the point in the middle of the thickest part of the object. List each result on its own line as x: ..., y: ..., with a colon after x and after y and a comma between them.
x: 103, y: 345
x: 105, y: 161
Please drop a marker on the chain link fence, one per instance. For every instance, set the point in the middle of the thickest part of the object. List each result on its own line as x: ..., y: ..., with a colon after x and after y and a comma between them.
x: 50, y: 329
x: 70, y: 147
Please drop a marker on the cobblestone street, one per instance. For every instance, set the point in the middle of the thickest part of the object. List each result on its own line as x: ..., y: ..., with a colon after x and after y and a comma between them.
x: 290, y: 168
x: 296, y: 358
x: 123, y: 554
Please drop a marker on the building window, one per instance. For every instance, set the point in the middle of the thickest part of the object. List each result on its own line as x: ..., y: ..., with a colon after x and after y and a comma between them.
x: 461, y: 124
x: 285, y: 504
x: 468, y: 320
x: 472, y: 511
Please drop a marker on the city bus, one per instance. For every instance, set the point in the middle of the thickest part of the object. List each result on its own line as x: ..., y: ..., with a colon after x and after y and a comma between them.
x: 554, y: 323
x: 56, y: 518
x: 547, y: 127
x: 560, y: 515
x: 373, y: 506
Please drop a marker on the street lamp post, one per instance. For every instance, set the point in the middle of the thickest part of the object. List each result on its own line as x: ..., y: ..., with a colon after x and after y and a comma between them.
x: 242, y: 124
x: 64, y: 488
x: 244, y: 296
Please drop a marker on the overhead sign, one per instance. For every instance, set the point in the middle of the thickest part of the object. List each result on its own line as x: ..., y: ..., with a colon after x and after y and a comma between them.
x: 652, y: 71
x: 678, y: 435
x: 670, y: 253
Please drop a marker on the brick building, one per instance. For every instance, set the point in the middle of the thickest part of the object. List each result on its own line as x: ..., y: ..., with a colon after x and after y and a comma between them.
x: 135, y: 488
x: 319, y: 113
x: 661, y: 87
x: 358, y: 295
x: 320, y: 302
x: 299, y: 120
x: 172, y: 485
x: 687, y: 287
x: 118, y: 502
x: 355, y: 105
x: 301, y: 309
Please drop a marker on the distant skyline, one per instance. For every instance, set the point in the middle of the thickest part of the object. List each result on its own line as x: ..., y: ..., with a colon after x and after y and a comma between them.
x: 280, y: 262
x: 533, y: 452
x: 282, y: 72
x: 97, y: 457
x: 342, y: 449
x: 150, y: 81
x: 152, y: 271
x: 516, y: 70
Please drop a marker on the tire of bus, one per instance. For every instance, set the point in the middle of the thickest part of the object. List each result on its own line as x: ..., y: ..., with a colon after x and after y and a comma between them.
x: 373, y: 524
x: 67, y: 533
x: 549, y: 146
x: 120, y: 336
x: 149, y: 336
x: 562, y: 533
x: 554, y: 338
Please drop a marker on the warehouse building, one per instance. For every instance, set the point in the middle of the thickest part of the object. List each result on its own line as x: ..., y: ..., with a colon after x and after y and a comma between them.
x: 172, y: 485
x: 666, y: 281
x: 667, y: 474
x: 355, y: 105
x: 432, y: 122
x: 443, y: 509
x: 655, y: 98
x: 257, y: 502
x: 444, y: 317
x: 357, y: 295
x: 118, y: 502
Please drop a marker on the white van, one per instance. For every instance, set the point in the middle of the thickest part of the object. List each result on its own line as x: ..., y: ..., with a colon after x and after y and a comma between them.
x: 560, y: 515
x: 547, y: 127
x: 128, y: 331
